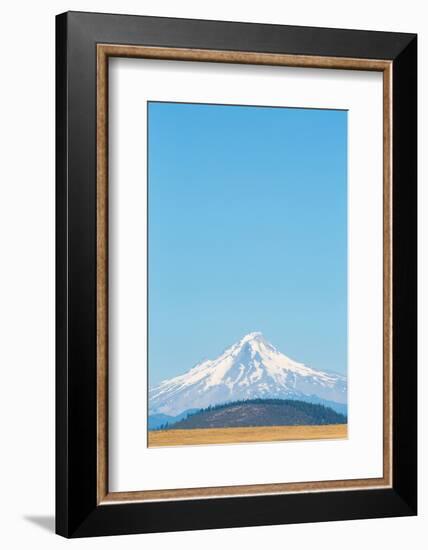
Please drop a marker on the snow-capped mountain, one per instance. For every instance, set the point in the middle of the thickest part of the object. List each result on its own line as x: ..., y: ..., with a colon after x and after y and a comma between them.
x: 251, y: 368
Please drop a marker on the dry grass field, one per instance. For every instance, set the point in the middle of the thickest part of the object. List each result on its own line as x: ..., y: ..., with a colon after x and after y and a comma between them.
x: 213, y: 436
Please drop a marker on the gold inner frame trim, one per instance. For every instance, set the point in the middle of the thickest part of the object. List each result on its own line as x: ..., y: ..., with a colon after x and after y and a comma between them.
x: 104, y: 51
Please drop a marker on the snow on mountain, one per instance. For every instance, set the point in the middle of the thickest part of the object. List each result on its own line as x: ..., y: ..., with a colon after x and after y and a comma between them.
x: 251, y: 368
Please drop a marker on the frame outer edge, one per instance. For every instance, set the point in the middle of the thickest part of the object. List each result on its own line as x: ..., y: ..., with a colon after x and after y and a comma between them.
x: 61, y: 268
x: 197, y: 33
x: 405, y: 274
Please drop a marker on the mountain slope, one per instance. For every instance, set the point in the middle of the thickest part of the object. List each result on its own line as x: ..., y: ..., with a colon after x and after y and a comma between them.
x: 260, y: 412
x: 252, y: 368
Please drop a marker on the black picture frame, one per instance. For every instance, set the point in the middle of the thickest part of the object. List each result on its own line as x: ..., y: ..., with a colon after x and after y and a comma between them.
x: 77, y: 511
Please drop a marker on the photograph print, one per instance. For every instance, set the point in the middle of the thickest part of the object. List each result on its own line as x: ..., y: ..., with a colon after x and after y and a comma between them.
x: 247, y: 274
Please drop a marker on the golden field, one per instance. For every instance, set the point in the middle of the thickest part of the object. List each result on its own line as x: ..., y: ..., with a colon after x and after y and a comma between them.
x: 213, y: 436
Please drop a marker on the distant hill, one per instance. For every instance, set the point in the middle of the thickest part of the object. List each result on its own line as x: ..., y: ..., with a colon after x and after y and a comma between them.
x: 156, y: 421
x: 260, y: 412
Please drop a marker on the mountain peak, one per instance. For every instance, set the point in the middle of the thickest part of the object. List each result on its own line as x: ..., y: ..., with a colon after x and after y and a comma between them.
x: 251, y: 336
x: 252, y: 342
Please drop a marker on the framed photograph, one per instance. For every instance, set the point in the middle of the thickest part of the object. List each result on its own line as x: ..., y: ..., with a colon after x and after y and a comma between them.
x: 236, y: 274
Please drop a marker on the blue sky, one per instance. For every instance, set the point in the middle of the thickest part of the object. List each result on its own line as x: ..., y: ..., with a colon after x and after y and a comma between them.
x: 247, y: 232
